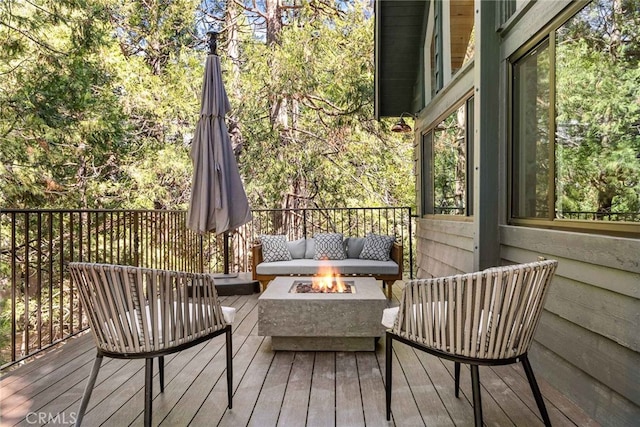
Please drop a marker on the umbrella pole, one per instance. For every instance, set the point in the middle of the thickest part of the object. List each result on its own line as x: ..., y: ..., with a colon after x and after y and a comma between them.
x: 225, y: 259
x: 226, y: 252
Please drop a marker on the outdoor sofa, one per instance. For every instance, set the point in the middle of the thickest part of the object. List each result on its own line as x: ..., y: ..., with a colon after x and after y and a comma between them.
x: 371, y: 256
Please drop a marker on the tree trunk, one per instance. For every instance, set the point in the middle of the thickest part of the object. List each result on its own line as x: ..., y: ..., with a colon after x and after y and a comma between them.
x: 232, y: 16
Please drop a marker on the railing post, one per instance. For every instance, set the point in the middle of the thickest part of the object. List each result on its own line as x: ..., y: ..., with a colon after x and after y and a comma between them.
x: 13, y: 286
x: 304, y: 223
x: 201, y: 252
x: 225, y: 251
x: 136, y: 239
x: 410, y: 244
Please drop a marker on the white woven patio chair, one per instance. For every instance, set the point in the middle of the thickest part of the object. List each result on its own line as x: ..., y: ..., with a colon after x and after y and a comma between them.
x: 144, y: 313
x: 482, y: 318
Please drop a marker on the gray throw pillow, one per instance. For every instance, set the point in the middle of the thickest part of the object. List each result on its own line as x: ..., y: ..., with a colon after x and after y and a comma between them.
x: 354, y: 246
x: 329, y: 246
x: 377, y: 247
x: 297, y: 248
x: 274, y: 248
x: 311, y: 249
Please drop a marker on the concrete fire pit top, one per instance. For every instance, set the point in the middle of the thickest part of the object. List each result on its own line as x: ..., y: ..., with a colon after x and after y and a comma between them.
x: 366, y: 289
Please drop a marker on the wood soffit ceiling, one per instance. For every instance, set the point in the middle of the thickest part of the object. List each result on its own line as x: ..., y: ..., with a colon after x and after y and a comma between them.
x: 400, y: 28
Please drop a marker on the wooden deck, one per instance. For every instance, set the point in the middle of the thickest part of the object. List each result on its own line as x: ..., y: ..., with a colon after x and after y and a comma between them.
x: 270, y: 388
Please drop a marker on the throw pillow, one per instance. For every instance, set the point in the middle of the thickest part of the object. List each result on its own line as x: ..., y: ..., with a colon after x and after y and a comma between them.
x: 297, y: 248
x: 329, y: 246
x: 354, y: 246
x: 311, y: 249
x: 274, y: 248
x: 377, y: 247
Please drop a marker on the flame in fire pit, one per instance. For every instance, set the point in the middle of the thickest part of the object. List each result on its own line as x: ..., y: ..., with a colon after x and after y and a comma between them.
x: 328, y: 280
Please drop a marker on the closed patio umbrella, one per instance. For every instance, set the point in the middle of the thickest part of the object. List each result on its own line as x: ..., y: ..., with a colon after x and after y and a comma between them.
x: 218, y: 201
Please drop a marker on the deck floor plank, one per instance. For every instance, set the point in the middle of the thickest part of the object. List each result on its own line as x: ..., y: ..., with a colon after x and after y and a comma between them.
x: 33, y: 368
x: 65, y: 397
x: 246, y: 395
x: 180, y: 407
x: 510, y: 403
x: 520, y: 387
x: 459, y: 409
x: 560, y: 401
x: 404, y: 408
x: 322, y: 401
x: 267, y: 409
x: 349, y: 411
x: 371, y: 388
x: 42, y: 389
x: 491, y: 410
x: 296, y: 398
x: 428, y: 401
x: 185, y: 394
x: 214, y: 407
x: 274, y: 388
x: 208, y: 392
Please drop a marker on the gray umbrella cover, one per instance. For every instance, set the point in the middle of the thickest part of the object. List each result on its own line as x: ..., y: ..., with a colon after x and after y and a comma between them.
x: 218, y: 200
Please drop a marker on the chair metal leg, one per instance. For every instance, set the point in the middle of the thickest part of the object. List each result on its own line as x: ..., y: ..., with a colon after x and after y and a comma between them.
x: 388, y: 374
x: 536, y: 391
x: 148, y: 390
x: 477, y: 402
x: 161, y: 369
x: 229, y: 369
x: 88, y: 389
x: 457, y: 378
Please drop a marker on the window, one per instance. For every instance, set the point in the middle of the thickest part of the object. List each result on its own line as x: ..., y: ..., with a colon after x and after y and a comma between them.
x: 461, y: 19
x: 446, y: 167
x: 576, y: 119
x: 531, y: 153
x: 449, y: 42
x: 434, y: 54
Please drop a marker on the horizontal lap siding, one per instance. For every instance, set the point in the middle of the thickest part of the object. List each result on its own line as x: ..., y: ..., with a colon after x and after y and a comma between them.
x: 588, y: 344
x: 443, y: 247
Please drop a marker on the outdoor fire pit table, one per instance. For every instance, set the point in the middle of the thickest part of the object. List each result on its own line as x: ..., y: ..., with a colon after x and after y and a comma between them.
x: 321, y: 321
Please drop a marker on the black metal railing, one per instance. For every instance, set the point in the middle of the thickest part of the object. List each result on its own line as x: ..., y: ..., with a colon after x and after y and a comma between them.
x: 600, y: 216
x: 39, y: 306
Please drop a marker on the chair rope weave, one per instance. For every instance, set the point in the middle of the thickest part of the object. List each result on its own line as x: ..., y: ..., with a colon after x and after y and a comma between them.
x: 482, y: 318
x: 489, y: 314
x: 138, y: 312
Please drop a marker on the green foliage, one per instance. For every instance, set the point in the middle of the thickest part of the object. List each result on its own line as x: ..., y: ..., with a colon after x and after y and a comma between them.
x: 329, y: 151
x: 100, y: 99
x: 59, y: 119
x: 598, y: 109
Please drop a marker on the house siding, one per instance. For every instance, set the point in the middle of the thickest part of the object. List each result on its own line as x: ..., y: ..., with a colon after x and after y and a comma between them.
x: 443, y: 247
x: 587, y: 344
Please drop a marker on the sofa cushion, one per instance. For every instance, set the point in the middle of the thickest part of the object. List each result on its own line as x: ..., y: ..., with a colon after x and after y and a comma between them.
x: 354, y: 246
x: 311, y: 249
x: 329, y: 246
x: 308, y: 267
x: 377, y: 247
x: 297, y: 248
x: 274, y: 248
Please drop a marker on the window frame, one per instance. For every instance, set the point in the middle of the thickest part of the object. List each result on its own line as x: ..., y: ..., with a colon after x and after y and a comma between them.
x: 427, y: 201
x: 548, y: 33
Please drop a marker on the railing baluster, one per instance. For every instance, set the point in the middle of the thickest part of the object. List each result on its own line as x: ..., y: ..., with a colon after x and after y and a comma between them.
x: 61, y: 276
x: 50, y: 276
x: 14, y: 286
x: 39, y: 279
x: 27, y: 274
